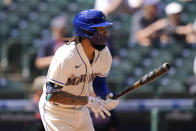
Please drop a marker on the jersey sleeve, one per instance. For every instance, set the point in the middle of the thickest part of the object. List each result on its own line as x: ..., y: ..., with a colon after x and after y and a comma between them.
x: 106, y: 62
x: 59, y: 70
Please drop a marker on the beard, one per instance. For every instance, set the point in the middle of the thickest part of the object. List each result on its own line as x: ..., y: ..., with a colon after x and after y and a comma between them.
x: 98, y: 41
x: 98, y: 47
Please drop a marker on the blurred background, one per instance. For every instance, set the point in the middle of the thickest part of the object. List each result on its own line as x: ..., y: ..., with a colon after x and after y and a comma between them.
x: 145, y: 34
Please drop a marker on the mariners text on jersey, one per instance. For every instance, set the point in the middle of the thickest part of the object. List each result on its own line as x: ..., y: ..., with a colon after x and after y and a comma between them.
x: 75, y: 80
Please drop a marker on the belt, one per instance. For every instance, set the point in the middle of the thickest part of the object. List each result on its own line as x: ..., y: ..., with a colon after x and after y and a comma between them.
x: 75, y: 107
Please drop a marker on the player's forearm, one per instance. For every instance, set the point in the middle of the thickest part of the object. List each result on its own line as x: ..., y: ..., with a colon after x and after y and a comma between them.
x: 69, y: 99
x: 151, y: 29
x: 112, y: 7
x: 43, y: 62
x: 184, y: 30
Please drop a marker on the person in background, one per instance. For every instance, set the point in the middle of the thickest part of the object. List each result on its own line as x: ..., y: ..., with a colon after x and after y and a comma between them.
x: 170, y: 29
x: 191, y: 37
x: 48, y: 48
x: 117, y: 7
x: 148, y: 14
x: 175, y: 29
x: 44, y: 56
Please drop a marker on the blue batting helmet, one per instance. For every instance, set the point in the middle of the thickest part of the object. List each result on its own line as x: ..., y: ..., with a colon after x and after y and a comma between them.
x: 85, y: 21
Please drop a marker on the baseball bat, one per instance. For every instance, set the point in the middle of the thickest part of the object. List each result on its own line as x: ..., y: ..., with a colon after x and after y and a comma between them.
x: 149, y: 77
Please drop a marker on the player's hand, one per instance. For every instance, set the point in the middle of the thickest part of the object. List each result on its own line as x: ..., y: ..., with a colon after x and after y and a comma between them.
x: 111, y: 103
x: 98, y: 106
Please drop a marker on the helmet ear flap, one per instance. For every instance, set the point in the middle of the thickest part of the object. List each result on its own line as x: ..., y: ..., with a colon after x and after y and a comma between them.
x: 84, y: 31
x: 88, y: 32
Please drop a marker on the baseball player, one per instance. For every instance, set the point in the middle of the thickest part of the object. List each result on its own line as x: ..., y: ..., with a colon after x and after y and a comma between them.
x: 77, y: 66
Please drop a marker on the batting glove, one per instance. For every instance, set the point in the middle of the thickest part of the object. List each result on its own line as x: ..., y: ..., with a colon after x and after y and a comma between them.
x: 111, y: 103
x: 98, y: 106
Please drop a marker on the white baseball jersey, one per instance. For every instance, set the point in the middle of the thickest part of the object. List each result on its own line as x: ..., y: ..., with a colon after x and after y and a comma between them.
x: 71, y: 69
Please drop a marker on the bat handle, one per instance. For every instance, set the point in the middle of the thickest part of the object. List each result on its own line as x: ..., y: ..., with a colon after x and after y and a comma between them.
x: 113, y: 96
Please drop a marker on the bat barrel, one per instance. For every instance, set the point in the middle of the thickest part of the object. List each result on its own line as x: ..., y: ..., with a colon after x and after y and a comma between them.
x: 154, y: 74
x: 147, y: 78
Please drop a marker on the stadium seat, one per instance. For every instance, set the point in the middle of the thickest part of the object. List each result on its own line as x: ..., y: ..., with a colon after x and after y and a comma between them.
x: 27, y: 63
x: 144, y: 92
x: 34, y: 29
x: 44, y: 19
x: 61, y: 3
x: 116, y: 78
x: 22, y: 10
x: 5, y: 54
x: 53, y: 10
x: 2, y: 4
x: 26, y: 40
x: 4, y: 30
x: 134, y: 56
x: 144, y: 51
x: 11, y: 51
x: 11, y: 89
x: 12, y: 19
x: 174, y: 48
x: 85, y: 4
x: 175, y: 89
x: 33, y: 3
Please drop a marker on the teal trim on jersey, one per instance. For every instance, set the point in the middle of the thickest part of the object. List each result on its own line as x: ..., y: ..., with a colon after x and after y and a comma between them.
x: 48, y: 97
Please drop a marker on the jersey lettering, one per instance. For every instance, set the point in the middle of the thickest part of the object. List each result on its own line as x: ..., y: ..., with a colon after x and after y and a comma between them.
x: 75, y: 80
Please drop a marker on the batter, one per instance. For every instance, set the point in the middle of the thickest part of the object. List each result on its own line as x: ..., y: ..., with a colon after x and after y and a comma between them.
x: 78, y: 65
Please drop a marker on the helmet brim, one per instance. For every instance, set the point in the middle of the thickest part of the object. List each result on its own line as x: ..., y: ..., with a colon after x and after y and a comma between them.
x: 107, y: 23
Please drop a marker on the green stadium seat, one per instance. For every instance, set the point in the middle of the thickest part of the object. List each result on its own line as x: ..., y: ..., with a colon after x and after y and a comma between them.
x: 25, y: 37
x: 11, y: 51
x: 116, y: 78
x: 4, y: 30
x: 44, y: 19
x: 53, y: 10
x: 5, y: 53
x: 174, y: 48
x: 33, y: 3
x: 85, y: 4
x: 163, y: 58
x: 12, y: 19
x: 2, y: 4
x: 134, y: 56
x: 27, y: 62
x: 144, y: 51
x: 144, y: 92
x: 23, y: 10
x: 34, y: 29
x: 11, y: 89
x: 61, y: 3
x: 175, y: 89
